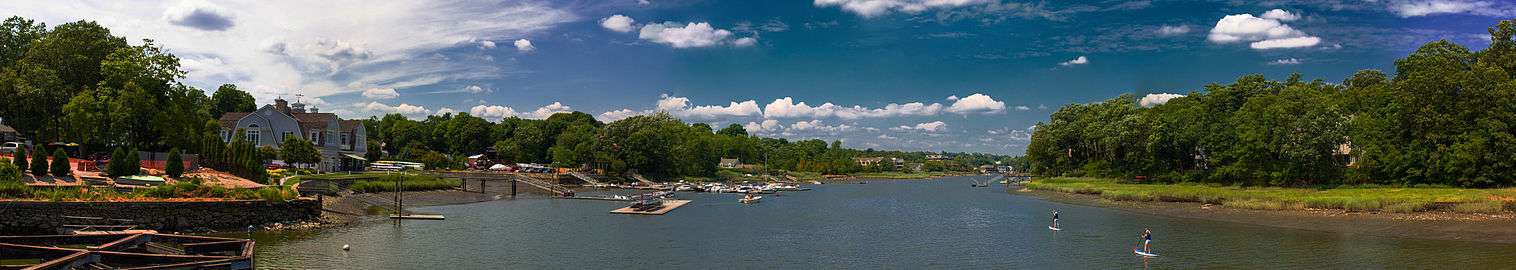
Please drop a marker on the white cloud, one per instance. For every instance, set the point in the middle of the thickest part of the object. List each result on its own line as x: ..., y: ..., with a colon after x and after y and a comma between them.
x: 787, y: 108
x: 1285, y: 61
x: 815, y: 125
x: 1076, y: 61
x: 1294, y: 42
x: 873, y: 8
x: 473, y: 89
x: 1417, y: 8
x: 952, y: 98
x: 618, y: 23
x: 1170, y: 30
x: 444, y: 110
x: 492, y: 112
x: 934, y: 126
x: 744, y: 42
x: 887, y: 137
x: 1264, y: 33
x: 977, y: 102
x: 691, y: 35
x: 767, y: 126
x: 380, y: 93
x: 681, y: 107
x: 486, y: 44
x: 316, y: 48
x: 547, y: 110
x: 1023, y: 108
x: 612, y: 116
x: 407, y: 110
x: 1156, y: 99
x: 524, y: 45
x: 1280, y: 14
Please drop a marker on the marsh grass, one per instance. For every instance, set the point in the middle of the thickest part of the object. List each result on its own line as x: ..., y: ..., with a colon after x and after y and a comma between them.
x: 1368, y: 198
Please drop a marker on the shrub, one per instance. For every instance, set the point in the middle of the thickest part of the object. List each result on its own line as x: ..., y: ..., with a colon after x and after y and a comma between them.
x: 39, y: 161
x: 9, y: 173
x: 174, y: 166
x: 14, y: 189
x: 1486, y: 207
x: 1407, y: 207
x: 61, y: 166
x: 20, y: 161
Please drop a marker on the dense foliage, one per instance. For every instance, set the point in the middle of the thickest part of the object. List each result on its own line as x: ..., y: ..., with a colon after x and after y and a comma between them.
x: 174, y: 165
x: 1448, y: 116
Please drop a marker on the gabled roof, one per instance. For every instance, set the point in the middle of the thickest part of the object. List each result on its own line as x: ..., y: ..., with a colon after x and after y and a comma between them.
x: 350, y: 125
x: 230, y: 119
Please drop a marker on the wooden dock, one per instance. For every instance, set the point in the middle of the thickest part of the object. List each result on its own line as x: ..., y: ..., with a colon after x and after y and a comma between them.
x: 668, y: 205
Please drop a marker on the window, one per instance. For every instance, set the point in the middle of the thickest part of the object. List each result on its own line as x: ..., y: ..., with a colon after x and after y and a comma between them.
x: 226, y: 135
x: 251, y: 134
x: 344, y: 140
x: 286, y: 134
x: 316, y: 137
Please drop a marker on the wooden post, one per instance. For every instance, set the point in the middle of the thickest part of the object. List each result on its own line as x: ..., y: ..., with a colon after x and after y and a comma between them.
x: 513, y: 188
x: 481, y: 186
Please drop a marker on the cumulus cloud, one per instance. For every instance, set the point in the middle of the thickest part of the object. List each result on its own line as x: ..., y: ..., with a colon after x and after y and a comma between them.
x: 380, y: 93
x: 976, y: 103
x: 612, y: 116
x: 767, y: 126
x: 817, y: 126
x: 444, y: 110
x: 681, y: 107
x: 874, y: 8
x: 473, y: 89
x: 1023, y: 108
x: 486, y: 44
x: 524, y: 45
x: 548, y: 110
x: 1076, y: 61
x: 691, y: 35
x: 934, y: 126
x: 317, y: 48
x: 787, y: 108
x: 1285, y: 61
x: 1280, y: 14
x: 199, y: 15
x: 618, y: 23
x: 492, y: 112
x: 1417, y: 8
x: 1263, y: 33
x: 1171, y: 30
x: 407, y: 110
x: 1156, y: 99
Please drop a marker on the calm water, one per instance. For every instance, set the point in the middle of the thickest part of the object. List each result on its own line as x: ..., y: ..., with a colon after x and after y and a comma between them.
x: 883, y: 224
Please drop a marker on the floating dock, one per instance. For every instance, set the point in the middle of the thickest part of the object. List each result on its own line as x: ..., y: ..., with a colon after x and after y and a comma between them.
x: 422, y: 217
x: 668, y: 205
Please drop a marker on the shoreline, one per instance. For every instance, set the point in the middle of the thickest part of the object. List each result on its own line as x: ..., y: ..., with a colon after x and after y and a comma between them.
x: 1449, y: 226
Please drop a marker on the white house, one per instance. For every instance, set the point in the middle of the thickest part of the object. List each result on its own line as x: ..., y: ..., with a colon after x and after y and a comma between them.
x: 342, y: 142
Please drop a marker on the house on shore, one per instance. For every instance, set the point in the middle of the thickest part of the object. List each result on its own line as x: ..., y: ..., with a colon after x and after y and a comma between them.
x: 341, y: 142
x: 730, y: 163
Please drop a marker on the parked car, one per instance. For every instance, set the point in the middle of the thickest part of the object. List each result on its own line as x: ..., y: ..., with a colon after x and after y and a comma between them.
x: 10, y: 147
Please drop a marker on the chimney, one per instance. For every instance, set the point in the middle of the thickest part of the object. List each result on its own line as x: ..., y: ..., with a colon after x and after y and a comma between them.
x: 281, y: 105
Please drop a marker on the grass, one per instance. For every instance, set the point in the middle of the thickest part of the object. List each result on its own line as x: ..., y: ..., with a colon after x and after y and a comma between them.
x: 187, y: 189
x: 408, y: 182
x: 1351, y: 198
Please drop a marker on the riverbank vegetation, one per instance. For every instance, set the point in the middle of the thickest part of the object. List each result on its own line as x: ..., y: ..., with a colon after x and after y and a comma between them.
x: 1445, y: 117
x: 1351, y: 198
x: 385, y: 182
x: 185, y: 190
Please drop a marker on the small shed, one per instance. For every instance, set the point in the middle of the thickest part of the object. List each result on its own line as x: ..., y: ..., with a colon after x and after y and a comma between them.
x: 729, y: 163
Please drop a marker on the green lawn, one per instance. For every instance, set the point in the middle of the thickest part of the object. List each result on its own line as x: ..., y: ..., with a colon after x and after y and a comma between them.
x: 1366, y: 198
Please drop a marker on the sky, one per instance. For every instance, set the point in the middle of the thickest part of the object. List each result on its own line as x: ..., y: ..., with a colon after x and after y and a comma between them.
x: 916, y: 75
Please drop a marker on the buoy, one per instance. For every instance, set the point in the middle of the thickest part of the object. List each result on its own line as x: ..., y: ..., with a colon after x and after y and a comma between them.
x: 346, y: 248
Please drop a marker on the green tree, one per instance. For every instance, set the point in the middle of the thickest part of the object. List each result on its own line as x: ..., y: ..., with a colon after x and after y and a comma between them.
x: 39, y: 161
x: 16, y: 37
x: 295, y: 150
x: 61, y: 166
x: 733, y: 129
x: 228, y: 98
x: 174, y: 166
x: 21, y: 161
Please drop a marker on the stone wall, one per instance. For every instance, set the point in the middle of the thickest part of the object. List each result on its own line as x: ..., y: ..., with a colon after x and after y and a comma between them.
x: 30, y: 217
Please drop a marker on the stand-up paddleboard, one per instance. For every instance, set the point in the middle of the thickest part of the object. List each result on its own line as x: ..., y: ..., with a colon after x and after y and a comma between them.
x: 1054, y: 228
x: 1140, y: 252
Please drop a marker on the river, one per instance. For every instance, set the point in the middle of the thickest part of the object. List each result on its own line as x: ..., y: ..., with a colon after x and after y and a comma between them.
x: 883, y: 224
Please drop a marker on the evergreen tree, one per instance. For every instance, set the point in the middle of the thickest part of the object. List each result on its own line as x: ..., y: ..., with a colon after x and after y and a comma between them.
x: 114, y: 167
x: 39, y: 161
x: 174, y: 167
x: 21, y: 161
x: 61, y: 166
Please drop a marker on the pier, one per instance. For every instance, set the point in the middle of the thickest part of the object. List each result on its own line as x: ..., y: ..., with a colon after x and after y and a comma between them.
x: 668, y: 205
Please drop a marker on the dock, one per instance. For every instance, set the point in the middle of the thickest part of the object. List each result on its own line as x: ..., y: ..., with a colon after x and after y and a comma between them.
x: 421, y: 217
x: 668, y: 205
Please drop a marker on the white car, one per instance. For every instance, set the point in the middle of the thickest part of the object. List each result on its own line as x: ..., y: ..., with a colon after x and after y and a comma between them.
x: 10, y: 147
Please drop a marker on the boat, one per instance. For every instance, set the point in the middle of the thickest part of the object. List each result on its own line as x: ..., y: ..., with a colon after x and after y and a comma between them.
x: 750, y: 200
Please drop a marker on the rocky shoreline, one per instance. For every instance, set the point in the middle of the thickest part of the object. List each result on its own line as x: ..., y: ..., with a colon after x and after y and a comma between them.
x: 1488, y: 228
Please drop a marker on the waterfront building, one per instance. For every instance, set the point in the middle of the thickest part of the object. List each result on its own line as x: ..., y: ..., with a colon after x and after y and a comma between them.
x: 342, y: 142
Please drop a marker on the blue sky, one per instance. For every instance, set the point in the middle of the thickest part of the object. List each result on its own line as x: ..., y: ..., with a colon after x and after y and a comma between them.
x: 955, y: 75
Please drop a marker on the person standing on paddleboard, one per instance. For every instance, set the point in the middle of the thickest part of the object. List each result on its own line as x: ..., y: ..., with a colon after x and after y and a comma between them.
x: 1147, y: 237
x: 1055, y: 218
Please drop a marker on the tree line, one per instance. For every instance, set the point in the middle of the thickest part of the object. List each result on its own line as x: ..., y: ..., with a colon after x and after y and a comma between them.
x: 1446, y: 117
x: 656, y: 144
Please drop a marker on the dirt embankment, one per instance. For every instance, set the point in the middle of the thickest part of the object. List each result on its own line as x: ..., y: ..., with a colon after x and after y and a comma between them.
x: 1491, y: 228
